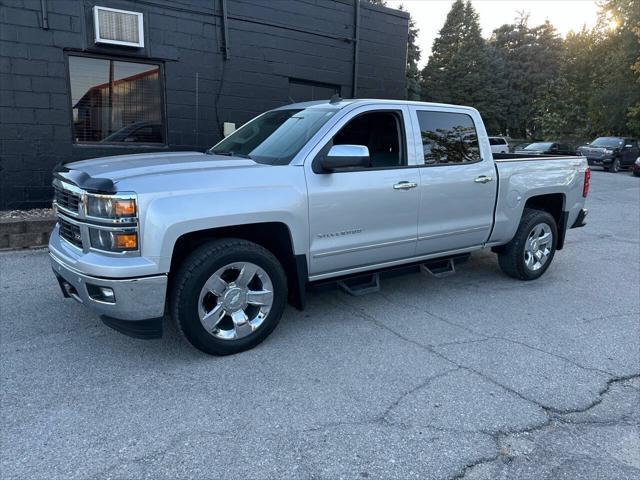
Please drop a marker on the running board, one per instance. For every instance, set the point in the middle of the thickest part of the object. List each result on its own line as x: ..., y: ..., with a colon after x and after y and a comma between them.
x: 439, y: 268
x: 361, y: 285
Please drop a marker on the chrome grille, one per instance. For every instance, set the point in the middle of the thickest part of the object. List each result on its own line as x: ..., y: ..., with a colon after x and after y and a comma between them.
x: 66, y: 199
x: 70, y: 232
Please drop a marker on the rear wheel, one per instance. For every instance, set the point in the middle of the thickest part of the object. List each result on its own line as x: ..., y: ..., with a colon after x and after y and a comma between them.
x: 528, y: 255
x: 228, y: 296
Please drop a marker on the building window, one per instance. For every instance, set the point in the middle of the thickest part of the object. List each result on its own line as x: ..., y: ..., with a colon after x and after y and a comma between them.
x: 115, y: 102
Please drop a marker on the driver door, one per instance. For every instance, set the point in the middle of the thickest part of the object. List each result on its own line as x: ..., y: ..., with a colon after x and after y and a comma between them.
x: 366, y: 216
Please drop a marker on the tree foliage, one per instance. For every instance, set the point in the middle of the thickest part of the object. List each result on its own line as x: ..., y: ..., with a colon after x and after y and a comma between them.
x: 413, y: 57
x: 529, y: 82
x: 462, y: 67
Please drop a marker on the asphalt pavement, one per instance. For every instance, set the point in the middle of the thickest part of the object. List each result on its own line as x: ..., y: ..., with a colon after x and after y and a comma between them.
x: 475, y: 376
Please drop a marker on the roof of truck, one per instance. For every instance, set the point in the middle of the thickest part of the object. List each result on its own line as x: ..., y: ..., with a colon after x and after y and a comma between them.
x: 341, y: 103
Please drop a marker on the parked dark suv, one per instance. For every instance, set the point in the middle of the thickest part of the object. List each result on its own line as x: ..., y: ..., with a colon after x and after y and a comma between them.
x: 611, y: 153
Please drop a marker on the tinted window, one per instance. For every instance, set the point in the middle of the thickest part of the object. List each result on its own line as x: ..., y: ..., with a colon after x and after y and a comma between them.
x: 539, y: 146
x: 448, y: 138
x: 114, y: 101
x: 497, y: 141
x: 610, y: 142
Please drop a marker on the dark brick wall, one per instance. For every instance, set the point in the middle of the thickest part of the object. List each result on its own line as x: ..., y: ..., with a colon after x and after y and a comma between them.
x: 269, y: 42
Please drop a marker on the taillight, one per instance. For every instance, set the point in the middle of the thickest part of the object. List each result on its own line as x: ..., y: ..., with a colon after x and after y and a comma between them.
x: 587, y: 177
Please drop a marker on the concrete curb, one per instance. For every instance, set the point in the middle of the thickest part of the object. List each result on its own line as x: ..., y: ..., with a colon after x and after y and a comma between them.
x: 16, y: 233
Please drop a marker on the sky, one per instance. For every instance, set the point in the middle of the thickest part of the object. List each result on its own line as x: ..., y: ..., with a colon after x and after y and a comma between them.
x: 565, y: 15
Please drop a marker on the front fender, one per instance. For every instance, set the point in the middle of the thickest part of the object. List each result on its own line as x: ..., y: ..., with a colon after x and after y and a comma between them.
x: 168, y: 218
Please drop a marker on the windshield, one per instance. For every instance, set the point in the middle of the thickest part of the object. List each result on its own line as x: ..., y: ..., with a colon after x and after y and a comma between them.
x: 607, y: 142
x: 274, y: 137
x: 539, y: 146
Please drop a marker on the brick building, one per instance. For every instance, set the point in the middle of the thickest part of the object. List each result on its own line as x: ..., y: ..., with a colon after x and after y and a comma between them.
x: 80, y: 81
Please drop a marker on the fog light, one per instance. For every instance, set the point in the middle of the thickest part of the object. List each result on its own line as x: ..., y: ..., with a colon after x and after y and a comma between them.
x: 107, y: 294
x: 101, y: 294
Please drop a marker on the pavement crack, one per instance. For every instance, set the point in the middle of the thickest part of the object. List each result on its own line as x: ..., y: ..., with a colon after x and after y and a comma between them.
x: 420, y: 386
x: 365, y: 316
x: 554, y: 418
x: 485, y: 337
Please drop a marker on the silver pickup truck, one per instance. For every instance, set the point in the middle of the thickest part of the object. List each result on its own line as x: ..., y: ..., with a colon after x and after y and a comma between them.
x: 338, y: 189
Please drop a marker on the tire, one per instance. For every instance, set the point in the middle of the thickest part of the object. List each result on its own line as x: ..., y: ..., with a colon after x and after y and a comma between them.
x: 513, y: 258
x: 219, y: 265
x: 615, y: 166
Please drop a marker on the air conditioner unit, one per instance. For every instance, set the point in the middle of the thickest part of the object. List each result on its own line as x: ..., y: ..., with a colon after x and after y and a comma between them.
x: 118, y: 27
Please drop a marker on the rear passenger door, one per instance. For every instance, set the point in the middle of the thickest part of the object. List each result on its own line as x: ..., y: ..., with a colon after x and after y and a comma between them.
x: 458, y: 183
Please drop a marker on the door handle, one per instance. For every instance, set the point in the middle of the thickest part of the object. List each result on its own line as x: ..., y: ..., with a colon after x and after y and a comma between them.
x: 483, y: 179
x: 404, y: 185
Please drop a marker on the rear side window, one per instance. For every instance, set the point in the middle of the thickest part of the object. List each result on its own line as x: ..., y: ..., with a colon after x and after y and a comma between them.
x: 448, y: 138
x: 497, y: 141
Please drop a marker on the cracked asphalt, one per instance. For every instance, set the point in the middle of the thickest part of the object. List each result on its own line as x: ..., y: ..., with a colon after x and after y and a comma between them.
x: 474, y: 376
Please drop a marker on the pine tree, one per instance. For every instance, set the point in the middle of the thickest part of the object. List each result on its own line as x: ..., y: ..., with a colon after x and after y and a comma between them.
x: 462, y: 68
x: 413, y: 57
x: 531, y: 59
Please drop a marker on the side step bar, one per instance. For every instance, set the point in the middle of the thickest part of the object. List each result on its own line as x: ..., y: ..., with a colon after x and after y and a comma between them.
x: 361, y: 285
x: 370, y: 282
x: 439, y: 268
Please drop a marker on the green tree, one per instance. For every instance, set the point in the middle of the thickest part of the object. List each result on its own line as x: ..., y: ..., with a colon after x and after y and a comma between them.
x: 462, y: 68
x: 413, y: 57
x: 531, y: 57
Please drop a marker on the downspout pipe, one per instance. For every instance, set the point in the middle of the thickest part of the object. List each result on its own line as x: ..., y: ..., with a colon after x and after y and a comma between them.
x: 356, y: 45
x: 225, y: 29
x: 45, y: 14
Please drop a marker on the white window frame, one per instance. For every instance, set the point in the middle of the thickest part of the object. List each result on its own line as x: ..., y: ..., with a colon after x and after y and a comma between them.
x: 96, y: 27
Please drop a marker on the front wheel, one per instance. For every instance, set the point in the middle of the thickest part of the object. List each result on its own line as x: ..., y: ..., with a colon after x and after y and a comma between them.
x: 615, y: 165
x: 528, y: 255
x: 228, y: 296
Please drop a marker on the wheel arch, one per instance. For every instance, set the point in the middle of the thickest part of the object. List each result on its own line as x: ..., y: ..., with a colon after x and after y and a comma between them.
x: 554, y: 204
x: 274, y: 236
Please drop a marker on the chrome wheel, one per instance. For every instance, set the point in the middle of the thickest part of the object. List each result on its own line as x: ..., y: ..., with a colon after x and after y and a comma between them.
x: 235, y: 300
x: 538, y: 246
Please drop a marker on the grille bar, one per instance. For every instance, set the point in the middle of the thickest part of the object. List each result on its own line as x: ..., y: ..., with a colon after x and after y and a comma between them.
x: 70, y: 232
x: 67, y: 200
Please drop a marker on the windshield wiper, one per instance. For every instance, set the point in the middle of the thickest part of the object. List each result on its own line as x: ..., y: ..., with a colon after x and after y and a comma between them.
x: 227, y: 153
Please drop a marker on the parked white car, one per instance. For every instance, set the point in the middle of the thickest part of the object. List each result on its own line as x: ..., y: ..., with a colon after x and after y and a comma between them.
x: 499, y: 145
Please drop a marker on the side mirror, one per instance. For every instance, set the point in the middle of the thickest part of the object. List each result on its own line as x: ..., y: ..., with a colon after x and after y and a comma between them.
x: 345, y: 156
x: 628, y: 145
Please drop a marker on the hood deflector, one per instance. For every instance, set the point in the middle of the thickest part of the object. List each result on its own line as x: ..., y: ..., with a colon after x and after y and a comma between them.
x: 84, y: 180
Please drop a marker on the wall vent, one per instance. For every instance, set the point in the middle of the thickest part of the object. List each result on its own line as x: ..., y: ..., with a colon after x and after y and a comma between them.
x: 118, y: 27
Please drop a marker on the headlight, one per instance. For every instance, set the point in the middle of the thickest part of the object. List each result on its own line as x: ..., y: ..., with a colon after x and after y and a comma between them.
x: 112, y: 207
x: 113, y: 241
x: 608, y: 152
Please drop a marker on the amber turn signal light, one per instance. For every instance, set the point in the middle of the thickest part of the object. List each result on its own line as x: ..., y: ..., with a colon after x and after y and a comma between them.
x: 125, y: 208
x: 125, y: 241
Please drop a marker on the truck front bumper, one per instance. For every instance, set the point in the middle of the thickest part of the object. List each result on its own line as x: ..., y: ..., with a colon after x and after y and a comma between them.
x: 599, y: 162
x: 119, y: 298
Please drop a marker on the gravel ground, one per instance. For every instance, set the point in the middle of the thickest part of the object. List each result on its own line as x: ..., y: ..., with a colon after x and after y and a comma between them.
x: 474, y: 376
x: 33, y: 213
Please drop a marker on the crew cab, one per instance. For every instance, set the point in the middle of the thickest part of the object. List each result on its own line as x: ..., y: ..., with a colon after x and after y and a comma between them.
x: 310, y: 192
x: 611, y: 153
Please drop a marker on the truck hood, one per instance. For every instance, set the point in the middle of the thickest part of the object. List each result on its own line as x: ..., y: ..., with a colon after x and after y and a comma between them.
x: 123, y: 168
